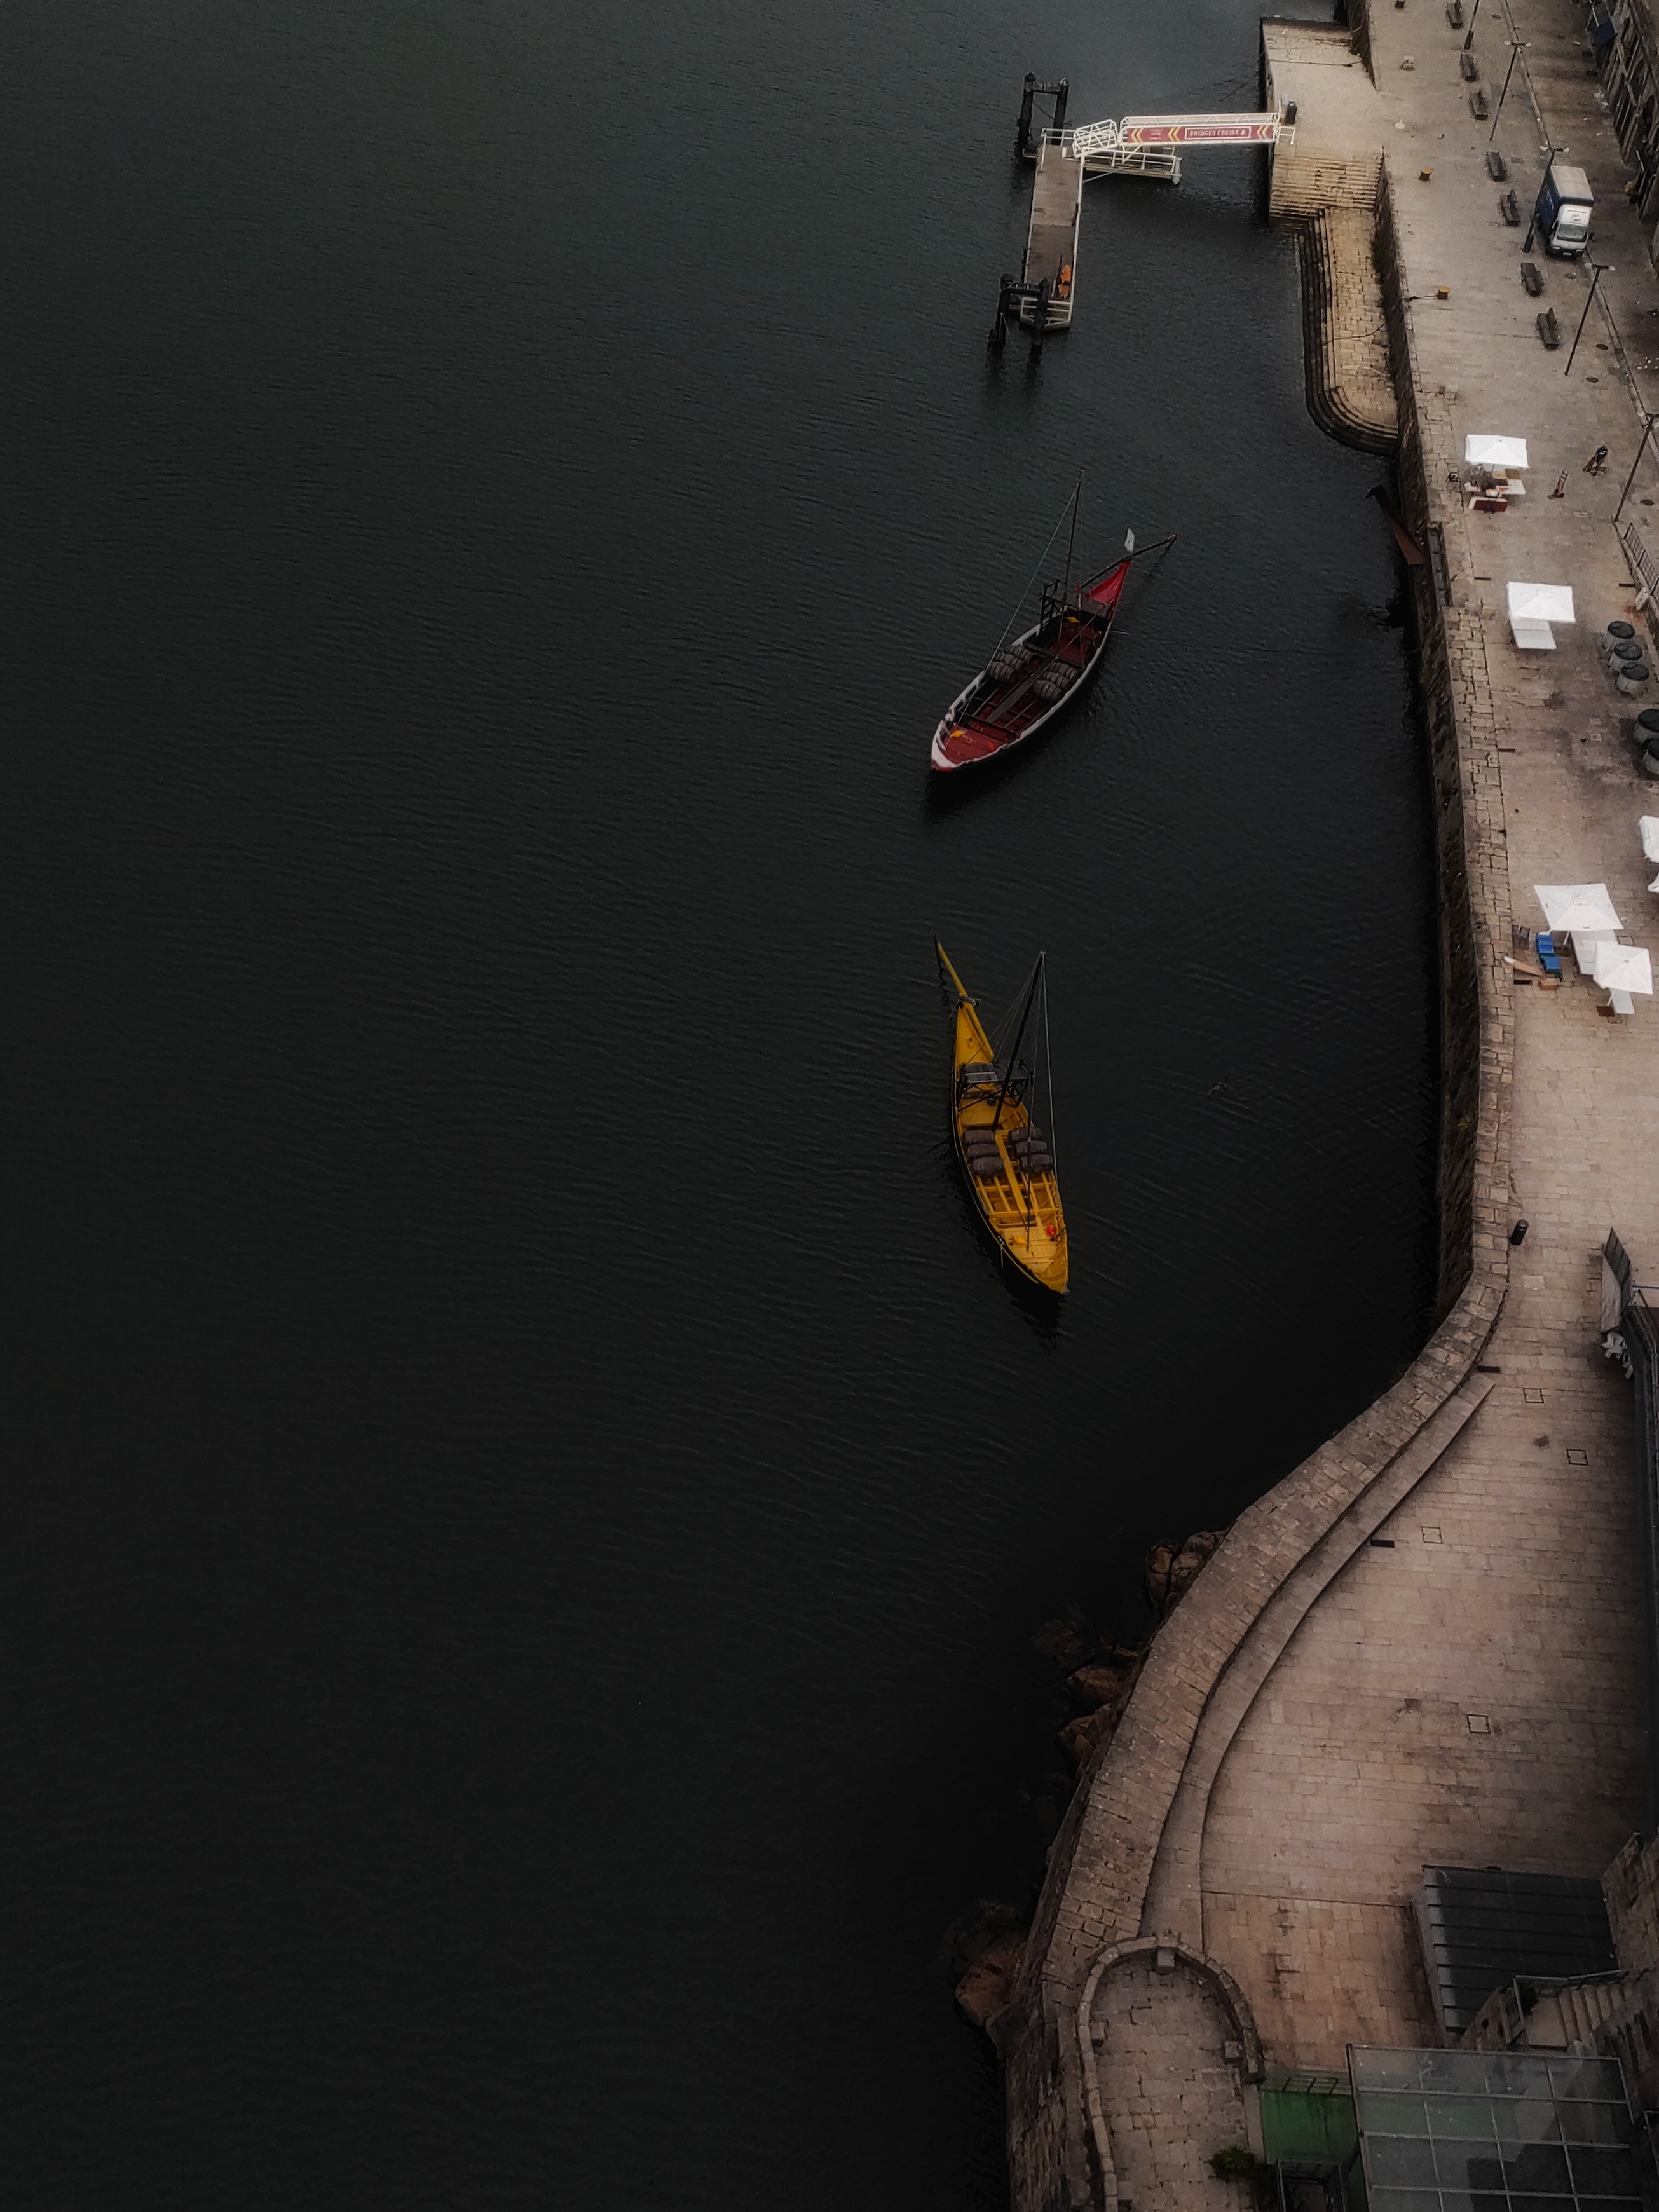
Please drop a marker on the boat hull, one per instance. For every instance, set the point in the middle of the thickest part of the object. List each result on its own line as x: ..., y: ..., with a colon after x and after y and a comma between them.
x: 992, y: 715
x: 940, y: 756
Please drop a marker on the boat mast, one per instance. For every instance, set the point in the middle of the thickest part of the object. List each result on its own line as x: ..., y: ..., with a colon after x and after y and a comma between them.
x: 1013, y: 1050
x: 945, y: 962
x: 1071, y: 542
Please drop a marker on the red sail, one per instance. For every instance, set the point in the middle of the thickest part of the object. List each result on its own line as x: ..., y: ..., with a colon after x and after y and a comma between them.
x: 1106, y: 592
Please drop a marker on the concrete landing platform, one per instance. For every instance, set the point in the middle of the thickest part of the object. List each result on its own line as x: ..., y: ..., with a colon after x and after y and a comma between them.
x: 1335, y: 157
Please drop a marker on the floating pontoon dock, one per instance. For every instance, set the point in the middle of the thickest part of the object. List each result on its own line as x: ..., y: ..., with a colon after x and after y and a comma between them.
x: 1140, y: 146
x: 1051, y: 243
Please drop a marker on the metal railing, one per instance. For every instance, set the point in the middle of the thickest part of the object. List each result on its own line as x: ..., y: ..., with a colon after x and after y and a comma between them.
x: 1135, y: 161
x: 1637, y: 1341
x: 1116, y: 161
x: 1644, y: 565
x: 1312, y: 2184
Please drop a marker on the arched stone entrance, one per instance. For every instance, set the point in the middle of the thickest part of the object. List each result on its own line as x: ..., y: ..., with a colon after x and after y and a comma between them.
x: 1168, y: 2046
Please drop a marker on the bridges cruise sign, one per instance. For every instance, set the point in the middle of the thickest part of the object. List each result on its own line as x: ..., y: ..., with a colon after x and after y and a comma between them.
x: 1176, y: 131
x: 1198, y: 129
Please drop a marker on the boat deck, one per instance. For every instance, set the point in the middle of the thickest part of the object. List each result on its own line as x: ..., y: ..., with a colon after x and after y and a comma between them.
x: 1015, y: 1189
x: 1051, y: 243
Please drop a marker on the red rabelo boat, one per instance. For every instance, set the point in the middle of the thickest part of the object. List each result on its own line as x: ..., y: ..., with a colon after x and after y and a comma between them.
x: 1026, y: 682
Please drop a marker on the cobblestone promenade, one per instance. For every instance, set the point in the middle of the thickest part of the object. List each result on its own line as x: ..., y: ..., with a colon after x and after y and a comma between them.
x: 1472, y: 1694
x: 1453, y: 1672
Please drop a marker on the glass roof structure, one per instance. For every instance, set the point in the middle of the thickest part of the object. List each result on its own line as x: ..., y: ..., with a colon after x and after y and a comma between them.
x: 1494, y: 2131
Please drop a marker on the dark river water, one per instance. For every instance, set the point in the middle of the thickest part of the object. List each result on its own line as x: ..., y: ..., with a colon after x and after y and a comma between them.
x: 526, y: 1501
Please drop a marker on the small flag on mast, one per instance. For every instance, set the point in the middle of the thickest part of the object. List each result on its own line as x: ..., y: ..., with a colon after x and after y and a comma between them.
x: 1129, y: 543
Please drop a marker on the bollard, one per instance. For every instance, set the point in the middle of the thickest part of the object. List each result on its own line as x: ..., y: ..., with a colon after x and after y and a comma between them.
x: 1022, y: 142
x: 1518, y: 1234
x: 1040, y: 317
x: 998, y: 336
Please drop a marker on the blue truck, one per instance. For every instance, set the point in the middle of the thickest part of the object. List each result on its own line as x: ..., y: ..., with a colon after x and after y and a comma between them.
x: 1561, y: 216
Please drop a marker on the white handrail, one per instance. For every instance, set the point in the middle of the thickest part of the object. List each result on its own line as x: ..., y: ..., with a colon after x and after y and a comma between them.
x: 1642, y: 561
x: 1171, y: 130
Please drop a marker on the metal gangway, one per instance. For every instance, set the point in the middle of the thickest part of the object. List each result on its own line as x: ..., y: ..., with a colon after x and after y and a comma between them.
x: 1146, y: 144
x: 1139, y: 146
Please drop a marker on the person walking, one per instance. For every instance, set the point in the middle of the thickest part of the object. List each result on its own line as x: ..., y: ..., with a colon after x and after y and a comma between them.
x: 1597, y: 462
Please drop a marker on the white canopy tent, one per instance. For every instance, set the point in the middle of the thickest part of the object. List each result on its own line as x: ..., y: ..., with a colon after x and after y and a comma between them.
x: 1624, y: 967
x: 1648, y: 826
x: 1550, y: 603
x: 1577, y: 907
x: 1483, y: 450
x: 1532, y: 608
x: 1620, y: 969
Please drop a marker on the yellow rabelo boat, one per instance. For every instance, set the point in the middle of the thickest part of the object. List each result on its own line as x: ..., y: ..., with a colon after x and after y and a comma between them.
x: 1005, y: 1158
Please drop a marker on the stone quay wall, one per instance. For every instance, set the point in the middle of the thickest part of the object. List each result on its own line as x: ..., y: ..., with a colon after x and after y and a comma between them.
x: 1325, y: 179
x: 1125, y: 1822
x: 1345, y: 335
x: 1477, y: 1021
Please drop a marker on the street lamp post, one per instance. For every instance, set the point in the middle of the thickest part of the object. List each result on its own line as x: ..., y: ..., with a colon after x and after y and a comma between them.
x: 1515, y: 46
x: 1600, y: 269
x: 1634, y: 465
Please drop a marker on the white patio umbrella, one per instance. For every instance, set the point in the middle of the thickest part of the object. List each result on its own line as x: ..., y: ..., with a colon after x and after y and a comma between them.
x: 1624, y: 967
x: 1545, y: 603
x: 1482, y: 450
x: 1648, y: 826
x: 1577, y: 907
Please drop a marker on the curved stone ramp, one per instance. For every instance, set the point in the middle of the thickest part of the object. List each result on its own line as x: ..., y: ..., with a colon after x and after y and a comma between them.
x: 1345, y: 334
x: 1102, y: 1862
x: 1174, y: 1904
x: 1166, y: 2043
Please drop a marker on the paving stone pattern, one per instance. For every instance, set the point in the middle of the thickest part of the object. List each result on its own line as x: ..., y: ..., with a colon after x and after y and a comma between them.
x: 1325, y: 181
x: 1334, y: 159
x: 1350, y: 384
x: 1474, y: 1695
x: 1471, y: 1697
x: 1171, y: 2096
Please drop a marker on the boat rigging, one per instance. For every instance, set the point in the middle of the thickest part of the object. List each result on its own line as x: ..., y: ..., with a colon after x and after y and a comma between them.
x: 1006, y: 1160
x: 1026, y: 682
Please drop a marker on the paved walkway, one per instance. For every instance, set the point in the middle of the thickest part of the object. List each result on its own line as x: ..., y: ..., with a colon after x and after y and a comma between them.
x: 1422, y: 1646
x: 1472, y: 1694
x: 1170, y: 2094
